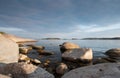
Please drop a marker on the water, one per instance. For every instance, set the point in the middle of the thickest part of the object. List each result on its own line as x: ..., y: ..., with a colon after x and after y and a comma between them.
x: 99, y: 47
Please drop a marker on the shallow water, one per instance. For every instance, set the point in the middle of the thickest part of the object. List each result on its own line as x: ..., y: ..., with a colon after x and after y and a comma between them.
x: 98, y: 46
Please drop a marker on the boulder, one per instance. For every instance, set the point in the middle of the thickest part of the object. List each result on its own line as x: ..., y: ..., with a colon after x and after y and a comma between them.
x: 105, y: 70
x: 8, y: 50
x: 24, y: 50
x: 24, y: 58
x: 61, y: 69
x: 113, y: 52
x: 68, y: 45
x: 23, y: 70
x: 82, y: 54
x: 36, y: 47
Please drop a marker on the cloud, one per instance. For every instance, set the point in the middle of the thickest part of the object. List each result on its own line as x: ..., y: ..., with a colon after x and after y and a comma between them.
x: 11, y: 29
x: 96, y: 28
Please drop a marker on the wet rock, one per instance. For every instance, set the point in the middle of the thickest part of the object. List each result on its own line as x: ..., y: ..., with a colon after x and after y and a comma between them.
x: 113, y: 52
x: 82, y: 54
x: 43, y: 52
x: 23, y: 70
x: 61, y: 69
x: 36, y: 61
x: 68, y: 45
x: 37, y: 47
x: 104, y: 70
x: 8, y: 50
x: 24, y: 58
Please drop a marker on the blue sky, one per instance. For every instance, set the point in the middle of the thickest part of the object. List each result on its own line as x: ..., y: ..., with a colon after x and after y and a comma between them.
x: 60, y: 18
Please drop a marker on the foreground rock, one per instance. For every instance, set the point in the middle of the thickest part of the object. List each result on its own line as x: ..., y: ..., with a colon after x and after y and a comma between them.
x: 82, y: 54
x: 68, y: 45
x: 8, y: 50
x: 23, y: 70
x: 61, y: 69
x: 113, y: 52
x: 105, y: 70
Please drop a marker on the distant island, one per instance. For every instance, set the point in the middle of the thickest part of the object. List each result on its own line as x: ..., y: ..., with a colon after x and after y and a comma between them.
x: 51, y: 39
x: 114, y: 38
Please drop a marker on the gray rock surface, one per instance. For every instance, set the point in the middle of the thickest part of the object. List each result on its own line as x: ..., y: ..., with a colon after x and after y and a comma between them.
x: 105, y: 70
x: 78, y: 54
x: 113, y: 52
x: 8, y: 50
x: 23, y: 70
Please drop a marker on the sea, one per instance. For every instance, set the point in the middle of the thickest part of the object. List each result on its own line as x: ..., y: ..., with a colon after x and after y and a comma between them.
x: 99, y: 47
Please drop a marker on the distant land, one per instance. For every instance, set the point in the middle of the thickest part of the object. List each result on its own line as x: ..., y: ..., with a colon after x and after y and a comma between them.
x: 114, y: 38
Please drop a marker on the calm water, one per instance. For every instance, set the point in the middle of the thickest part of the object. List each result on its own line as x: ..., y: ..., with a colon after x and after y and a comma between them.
x: 98, y: 46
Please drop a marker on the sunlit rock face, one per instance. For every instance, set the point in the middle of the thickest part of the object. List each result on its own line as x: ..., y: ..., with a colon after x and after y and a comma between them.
x: 105, y: 70
x: 8, y: 50
x: 68, y: 45
x: 82, y: 54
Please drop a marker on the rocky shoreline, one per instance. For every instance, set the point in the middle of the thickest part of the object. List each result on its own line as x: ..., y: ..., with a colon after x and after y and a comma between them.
x: 76, y: 62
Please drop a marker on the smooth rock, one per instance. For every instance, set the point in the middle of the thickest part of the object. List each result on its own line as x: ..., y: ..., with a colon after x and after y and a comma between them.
x: 8, y: 50
x: 23, y: 50
x: 68, y: 45
x: 36, y: 61
x: 36, y: 47
x: 82, y: 54
x: 23, y: 70
x: 24, y: 58
x: 105, y: 70
x: 62, y: 68
x: 113, y: 52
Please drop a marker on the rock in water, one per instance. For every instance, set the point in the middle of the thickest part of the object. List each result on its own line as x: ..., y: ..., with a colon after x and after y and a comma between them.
x: 68, y: 45
x: 23, y: 70
x: 113, y: 52
x: 8, y: 50
x: 82, y: 54
x: 105, y: 70
x: 61, y: 69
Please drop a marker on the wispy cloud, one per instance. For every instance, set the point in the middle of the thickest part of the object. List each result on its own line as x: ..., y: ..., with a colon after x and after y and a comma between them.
x: 12, y: 29
x: 97, y: 28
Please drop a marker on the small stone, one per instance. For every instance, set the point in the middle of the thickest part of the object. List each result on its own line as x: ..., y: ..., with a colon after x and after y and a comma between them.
x: 62, y: 68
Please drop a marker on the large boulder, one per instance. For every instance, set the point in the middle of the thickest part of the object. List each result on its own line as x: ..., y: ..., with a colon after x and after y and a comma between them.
x: 82, y: 54
x: 113, y: 52
x: 105, y: 70
x: 68, y: 45
x: 23, y: 70
x: 8, y: 50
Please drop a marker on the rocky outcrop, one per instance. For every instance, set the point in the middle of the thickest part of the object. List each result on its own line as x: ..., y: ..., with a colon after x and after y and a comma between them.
x: 16, y: 38
x: 105, y: 70
x: 23, y: 70
x: 68, y: 45
x: 113, y: 52
x: 8, y: 50
x: 82, y: 54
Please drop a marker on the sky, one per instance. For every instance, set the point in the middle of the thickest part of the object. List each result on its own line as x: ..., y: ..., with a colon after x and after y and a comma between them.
x: 60, y: 18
